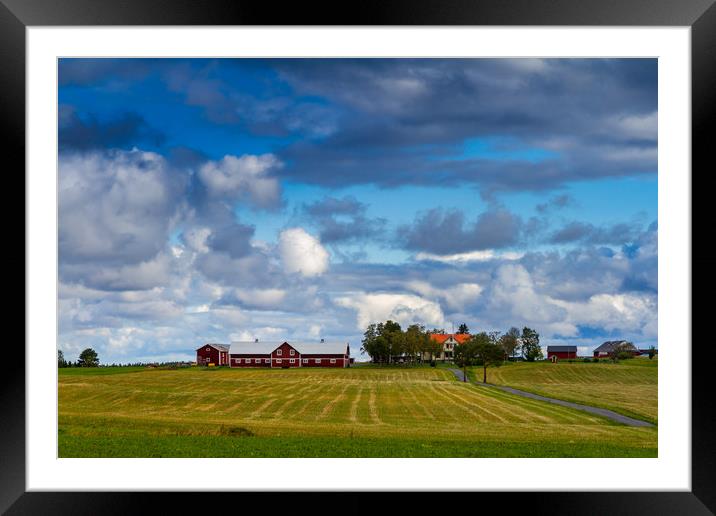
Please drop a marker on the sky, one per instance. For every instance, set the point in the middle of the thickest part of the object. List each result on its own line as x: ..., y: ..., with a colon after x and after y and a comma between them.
x: 217, y: 200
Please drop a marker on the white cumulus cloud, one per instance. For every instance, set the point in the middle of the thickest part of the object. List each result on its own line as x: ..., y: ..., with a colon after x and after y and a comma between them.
x: 262, y: 298
x: 244, y: 177
x: 455, y: 297
x: 403, y: 308
x: 470, y: 256
x: 302, y: 252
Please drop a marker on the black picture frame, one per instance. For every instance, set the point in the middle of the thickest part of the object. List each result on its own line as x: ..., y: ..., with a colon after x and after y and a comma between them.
x: 699, y: 15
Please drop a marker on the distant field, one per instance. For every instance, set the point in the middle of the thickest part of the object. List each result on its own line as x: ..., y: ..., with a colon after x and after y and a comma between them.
x: 356, y: 412
x: 629, y: 387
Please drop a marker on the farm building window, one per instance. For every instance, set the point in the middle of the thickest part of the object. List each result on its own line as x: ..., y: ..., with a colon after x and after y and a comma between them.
x: 238, y: 360
x: 279, y: 352
x: 293, y: 360
x: 333, y: 361
x: 248, y: 360
x: 318, y: 360
x: 278, y: 360
x: 305, y: 361
x: 267, y: 361
x: 293, y: 352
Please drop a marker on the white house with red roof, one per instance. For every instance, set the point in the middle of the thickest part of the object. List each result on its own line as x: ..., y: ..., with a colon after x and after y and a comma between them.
x: 448, y: 341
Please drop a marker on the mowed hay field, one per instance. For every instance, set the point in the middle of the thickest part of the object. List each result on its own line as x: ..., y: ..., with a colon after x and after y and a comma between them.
x: 356, y: 412
x: 629, y: 387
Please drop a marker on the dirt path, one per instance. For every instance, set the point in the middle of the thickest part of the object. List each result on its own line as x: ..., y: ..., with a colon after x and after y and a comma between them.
x: 609, y: 414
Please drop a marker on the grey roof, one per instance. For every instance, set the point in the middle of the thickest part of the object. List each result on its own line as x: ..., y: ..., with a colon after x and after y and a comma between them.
x: 304, y: 348
x: 568, y: 349
x: 222, y: 347
x: 254, y: 348
x: 611, y: 344
x: 320, y: 348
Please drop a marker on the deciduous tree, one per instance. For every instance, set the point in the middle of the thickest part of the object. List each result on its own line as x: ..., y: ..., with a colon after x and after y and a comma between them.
x: 382, y: 340
x: 510, y: 341
x: 487, y: 351
x: 415, y: 341
x: 531, y: 349
x: 88, y: 358
x: 464, y: 356
x: 623, y: 350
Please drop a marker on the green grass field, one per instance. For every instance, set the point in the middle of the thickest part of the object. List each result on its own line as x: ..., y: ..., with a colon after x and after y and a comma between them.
x: 629, y: 387
x: 356, y: 412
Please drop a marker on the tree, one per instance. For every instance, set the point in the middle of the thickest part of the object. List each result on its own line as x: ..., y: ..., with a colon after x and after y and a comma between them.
x: 622, y: 351
x: 463, y: 329
x: 373, y: 343
x: 531, y: 349
x: 510, y: 341
x: 432, y: 347
x: 415, y: 341
x: 394, y: 338
x: 61, y: 362
x: 381, y: 341
x: 464, y: 356
x: 487, y: 351
x: 652, y: 352
x: 88, y: 358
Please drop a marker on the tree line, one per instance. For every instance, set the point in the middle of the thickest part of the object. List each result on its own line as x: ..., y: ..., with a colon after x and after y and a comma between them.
x: 493, y: 348
x: 387, y: 342
x: 88, y: 358
x: 384, y: 342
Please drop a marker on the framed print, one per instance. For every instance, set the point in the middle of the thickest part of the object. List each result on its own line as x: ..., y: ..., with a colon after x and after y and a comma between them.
x: 302, y: 252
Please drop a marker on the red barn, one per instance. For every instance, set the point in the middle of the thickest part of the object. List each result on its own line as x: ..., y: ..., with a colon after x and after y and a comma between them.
x: 217, y: 354
x: 555, y: 353
x: 284, y: 355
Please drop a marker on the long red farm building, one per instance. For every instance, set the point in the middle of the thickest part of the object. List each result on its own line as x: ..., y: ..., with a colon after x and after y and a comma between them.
x: 282, y: 355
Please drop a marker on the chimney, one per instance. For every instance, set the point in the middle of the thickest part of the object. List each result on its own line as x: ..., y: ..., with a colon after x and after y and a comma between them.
x: 322, y: 340
x: 256, y: 340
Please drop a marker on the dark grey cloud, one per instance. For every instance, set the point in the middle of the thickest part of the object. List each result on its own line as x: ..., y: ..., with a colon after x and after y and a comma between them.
x: 83, y: 71
x: 446, y: 232
x: 235, y: 240
x: 251, y: 270
x: 271, y: 110
x: 542, y: 122
x: 126, y: 130
x: 409, y: 121
x: 343, y: 220
x: 555, y: 203
x: 643, y: 274
x: 590, y: 234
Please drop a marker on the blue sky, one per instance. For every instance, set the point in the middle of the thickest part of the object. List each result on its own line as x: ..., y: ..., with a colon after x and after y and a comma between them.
x: 229, y: 199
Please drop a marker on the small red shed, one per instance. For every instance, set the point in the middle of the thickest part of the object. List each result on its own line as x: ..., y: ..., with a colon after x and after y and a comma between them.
x: 212, y: 353
x: 555, y: 353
